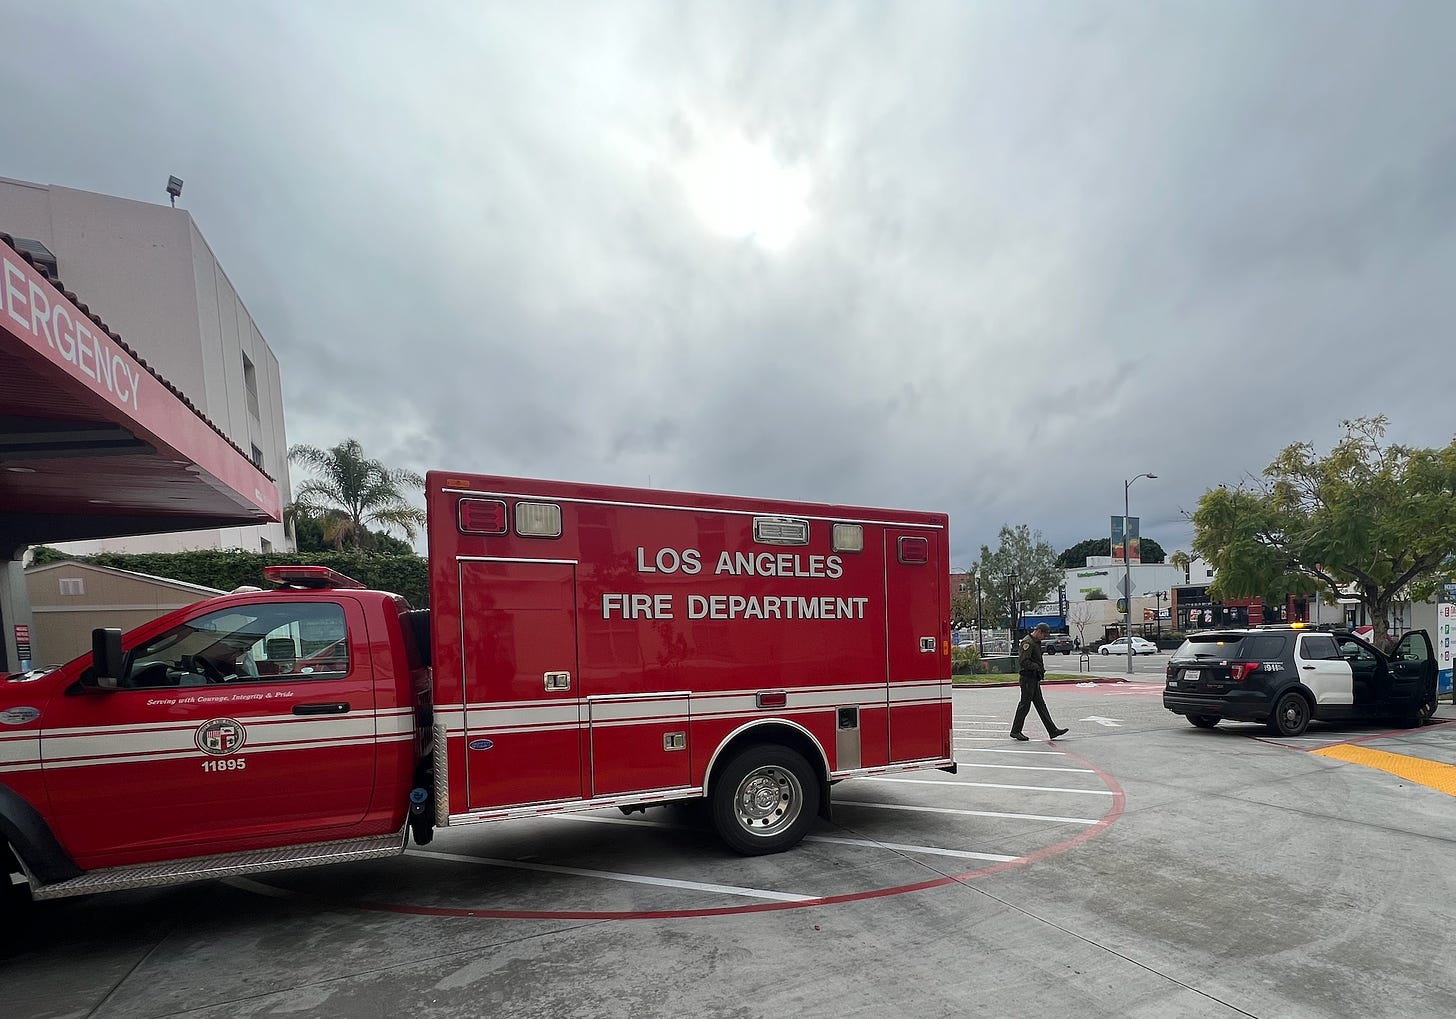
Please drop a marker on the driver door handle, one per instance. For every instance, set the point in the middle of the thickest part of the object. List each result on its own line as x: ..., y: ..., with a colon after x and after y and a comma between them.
x: 1309, y: 668
x: 322, y: 708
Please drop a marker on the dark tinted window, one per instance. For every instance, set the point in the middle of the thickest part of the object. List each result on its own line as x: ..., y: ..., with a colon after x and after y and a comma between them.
x: 1318, y: 647
x: 1264, y: 648
x: 1209, y: 645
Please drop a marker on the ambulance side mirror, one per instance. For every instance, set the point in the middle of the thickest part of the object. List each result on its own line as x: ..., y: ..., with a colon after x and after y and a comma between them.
x: 106, y: 657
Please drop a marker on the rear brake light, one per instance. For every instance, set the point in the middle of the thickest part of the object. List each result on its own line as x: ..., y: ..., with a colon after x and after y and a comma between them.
x: 482, y: 516
x: 914, y: 551
x: 1241, y: 670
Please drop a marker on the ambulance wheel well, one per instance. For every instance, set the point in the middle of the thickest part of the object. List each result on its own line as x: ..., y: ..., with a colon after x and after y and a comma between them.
x: 30, y: 839
x: 772, y: 733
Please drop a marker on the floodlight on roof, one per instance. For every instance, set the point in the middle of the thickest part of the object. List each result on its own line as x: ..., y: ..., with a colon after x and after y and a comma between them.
x: 174, y: 188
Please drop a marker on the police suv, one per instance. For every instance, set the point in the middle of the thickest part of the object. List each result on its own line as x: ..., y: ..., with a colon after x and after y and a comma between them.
x: 1286, y: 675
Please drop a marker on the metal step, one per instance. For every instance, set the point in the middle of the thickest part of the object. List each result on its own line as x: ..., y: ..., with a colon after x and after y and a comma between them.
x: 206, y: 868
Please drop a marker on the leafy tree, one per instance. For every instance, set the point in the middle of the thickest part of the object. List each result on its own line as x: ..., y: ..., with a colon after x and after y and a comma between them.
x: 354, y: 492
x: 1075, y: 558
x: 1024, y: 553
x: 1371, y: 519
x: 1181, y: 560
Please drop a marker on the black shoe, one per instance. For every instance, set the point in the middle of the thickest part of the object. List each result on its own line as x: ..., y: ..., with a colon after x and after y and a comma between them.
x: 1059, y: 732
x: 1020, y: 736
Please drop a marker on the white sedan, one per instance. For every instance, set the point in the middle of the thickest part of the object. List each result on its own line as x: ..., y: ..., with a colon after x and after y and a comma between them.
x: 1119, y: 647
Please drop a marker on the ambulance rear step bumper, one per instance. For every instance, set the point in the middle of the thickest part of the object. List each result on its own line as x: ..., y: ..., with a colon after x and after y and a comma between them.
x: 207, y: 868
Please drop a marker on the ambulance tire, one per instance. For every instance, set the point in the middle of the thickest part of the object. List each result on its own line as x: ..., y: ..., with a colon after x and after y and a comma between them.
x: 765, y: 800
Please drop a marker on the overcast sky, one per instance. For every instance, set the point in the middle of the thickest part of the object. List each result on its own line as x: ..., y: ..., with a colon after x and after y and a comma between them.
x: 985, y: 258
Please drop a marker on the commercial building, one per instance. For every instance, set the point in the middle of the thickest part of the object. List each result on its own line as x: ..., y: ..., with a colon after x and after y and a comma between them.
x: 148, y: 271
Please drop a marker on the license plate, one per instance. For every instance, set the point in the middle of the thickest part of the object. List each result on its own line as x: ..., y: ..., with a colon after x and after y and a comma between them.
x: 1190, y: 675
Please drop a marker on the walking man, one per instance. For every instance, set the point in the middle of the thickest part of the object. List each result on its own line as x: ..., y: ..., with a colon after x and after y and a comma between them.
x: 1032, y: 671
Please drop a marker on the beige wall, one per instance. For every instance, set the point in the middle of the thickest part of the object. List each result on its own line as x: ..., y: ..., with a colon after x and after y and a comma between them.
x: 62, y: 622
x: 149, y: 273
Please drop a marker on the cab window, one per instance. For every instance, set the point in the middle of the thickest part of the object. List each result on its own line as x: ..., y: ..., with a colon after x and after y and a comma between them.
x: 269, y: 642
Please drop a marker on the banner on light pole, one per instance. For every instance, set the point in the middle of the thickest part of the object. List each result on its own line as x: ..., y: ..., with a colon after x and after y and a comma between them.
x: 1134, y: 551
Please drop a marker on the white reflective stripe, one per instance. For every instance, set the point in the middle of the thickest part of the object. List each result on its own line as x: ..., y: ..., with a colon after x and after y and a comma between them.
x: 296, y: 728
x: 488, y: 718
x: 660, y: 720
x: 397, y: 723
x: 59, y: 748
x: 249, y: 720
x: 197, y: 755
x: 499, y: 730
x: 640, y: 710
x: 20, y: 750
x: 916, y: 692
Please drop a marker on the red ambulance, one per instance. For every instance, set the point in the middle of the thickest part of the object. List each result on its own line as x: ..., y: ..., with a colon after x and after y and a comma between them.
x: 586, y: 647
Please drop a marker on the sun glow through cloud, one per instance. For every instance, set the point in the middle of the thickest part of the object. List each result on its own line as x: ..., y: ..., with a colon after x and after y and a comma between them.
x: 741, y: 190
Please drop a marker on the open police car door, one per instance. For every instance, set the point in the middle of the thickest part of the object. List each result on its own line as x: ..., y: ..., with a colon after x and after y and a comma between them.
x: 1413, y: 673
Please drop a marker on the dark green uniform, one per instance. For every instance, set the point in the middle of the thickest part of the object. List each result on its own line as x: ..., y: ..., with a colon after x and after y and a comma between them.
x: 1029, y: 664
x: 1029, y: 661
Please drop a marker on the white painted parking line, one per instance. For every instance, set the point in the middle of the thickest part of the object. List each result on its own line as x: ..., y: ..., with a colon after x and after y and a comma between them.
x: 965, y: 813
x: 967, y: 714
x: 985, y: 785
x: 607, y: 875
x: 1027, y: 767
x: 868, y: 843
x: 1038, y: 753
x: 901, y: 847
x: 980, y: 739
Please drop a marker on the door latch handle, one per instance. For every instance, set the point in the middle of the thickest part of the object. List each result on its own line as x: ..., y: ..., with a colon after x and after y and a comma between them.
x: 1309, y: 668
x: 558, y: 681
x: 322, y: 708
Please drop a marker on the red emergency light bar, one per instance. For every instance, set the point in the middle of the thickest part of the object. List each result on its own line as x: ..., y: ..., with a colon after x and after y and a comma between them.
x: 319, y: 578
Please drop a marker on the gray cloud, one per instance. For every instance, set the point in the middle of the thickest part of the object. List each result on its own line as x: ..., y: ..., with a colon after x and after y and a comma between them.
x: 1044, y: 248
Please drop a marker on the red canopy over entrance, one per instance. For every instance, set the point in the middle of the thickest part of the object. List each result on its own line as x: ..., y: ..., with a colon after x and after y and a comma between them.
x: 93, y: 442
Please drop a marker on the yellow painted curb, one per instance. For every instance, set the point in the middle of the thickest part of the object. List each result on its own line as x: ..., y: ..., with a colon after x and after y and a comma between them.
x: 1434, y: 775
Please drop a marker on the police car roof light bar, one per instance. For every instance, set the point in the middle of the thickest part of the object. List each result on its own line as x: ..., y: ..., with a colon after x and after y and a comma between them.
x: 311, y: 577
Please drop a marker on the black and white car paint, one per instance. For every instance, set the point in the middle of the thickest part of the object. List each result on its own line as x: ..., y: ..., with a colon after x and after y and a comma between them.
x: 1287, y: 677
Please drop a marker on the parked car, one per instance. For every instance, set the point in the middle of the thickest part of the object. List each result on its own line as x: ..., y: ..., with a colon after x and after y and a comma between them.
x: 1119, y: 647
x: 1058, y: 643
x: 1285, y: 676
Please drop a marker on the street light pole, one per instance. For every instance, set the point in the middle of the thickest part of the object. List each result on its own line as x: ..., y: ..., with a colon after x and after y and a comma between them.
x: 1010, y: 610
x: 980, y: 643
x: 1127, y: 571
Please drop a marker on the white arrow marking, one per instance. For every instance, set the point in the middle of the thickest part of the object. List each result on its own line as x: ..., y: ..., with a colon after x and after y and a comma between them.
x: 1113, y: 722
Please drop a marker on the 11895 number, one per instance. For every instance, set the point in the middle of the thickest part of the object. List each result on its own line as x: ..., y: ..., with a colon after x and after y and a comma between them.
x: 227, y: 764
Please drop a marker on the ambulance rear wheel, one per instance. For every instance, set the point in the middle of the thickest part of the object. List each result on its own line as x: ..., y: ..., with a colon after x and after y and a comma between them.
x: 764, y: 800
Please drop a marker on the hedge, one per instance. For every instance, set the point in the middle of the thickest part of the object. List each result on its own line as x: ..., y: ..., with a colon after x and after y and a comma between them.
x: 407, y: 575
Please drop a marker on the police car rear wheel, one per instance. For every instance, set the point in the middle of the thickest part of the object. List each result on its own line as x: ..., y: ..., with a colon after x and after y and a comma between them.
x: 1291, y: 715
x: 765, y: 800
x: 1204, y: 721
x: 1428, y: 711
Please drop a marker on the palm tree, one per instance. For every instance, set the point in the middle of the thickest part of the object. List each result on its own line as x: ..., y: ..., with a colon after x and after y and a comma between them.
x: 354, y: 492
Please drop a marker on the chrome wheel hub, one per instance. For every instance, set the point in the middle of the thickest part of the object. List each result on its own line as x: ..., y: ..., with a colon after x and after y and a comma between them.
x: 768, y: 800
